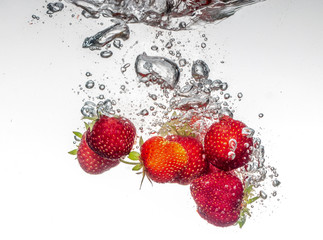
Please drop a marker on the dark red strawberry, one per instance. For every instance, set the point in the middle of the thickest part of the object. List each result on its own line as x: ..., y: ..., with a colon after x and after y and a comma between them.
x: 111, y: 137
x: 163, y: 160
x: 196, y: 165
x: 89, y: 161
x: 228, y: 144
x: 219, y: 198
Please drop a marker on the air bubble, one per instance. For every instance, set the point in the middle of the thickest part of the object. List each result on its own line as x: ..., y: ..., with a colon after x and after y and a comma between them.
x: 89, y: 84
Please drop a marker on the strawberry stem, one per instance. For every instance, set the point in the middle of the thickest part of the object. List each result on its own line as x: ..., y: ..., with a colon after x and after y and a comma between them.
x: 130, y: 163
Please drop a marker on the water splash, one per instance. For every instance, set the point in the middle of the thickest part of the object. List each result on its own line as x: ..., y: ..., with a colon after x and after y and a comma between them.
x: 166, y: 14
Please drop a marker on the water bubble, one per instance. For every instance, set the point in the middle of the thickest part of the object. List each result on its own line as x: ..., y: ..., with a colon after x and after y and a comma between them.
x: 105, y: 107
x: 154, y: 48
x: 200, y: 70
x: 182, y: 25
x: 260, y: 115
x: 227, y: 112
x: 106, y: 54
x: 88, y: 109
x: 153, y: 96
x: 88, y: 74
x: 224, y: 86
x: 233, y: 144
x: 240, y: 95
x: 123, y: 87
x: 101, y: 96
x: 263, y: 195
x: 117, y: 43
x: 248, y: 132
x: 101, y: 86
x: 169, y: 45
x: 35, y: 17
x: 54, y: 7
x: 144, y: 112
x: 157, y: 70
x: 182, y: 62
x: 118, y: 30
x: 203, y: 45
x: 231, y: 155
x: 256, y: 143
x: 227, y: 96
x: 89, y: 84
x: 276, y: 183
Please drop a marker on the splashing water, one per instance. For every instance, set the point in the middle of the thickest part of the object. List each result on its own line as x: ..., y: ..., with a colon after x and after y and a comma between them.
x: 166, y: 14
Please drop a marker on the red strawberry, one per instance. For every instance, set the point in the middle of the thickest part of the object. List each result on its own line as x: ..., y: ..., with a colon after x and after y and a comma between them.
x: 91, y: 162
x: 111, y: 137
x: 163, y: 160
x: 218, y: 197
x: 228, y: 144
x: 196, y: 165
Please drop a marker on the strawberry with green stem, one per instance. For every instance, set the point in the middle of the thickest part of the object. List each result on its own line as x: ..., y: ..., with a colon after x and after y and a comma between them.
x: 228, y: 144
x: 89, y: 161
x: 221, y: 198
x: 111, y: 137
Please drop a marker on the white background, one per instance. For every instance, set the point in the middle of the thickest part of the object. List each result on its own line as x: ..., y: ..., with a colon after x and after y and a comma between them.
x: 272, y: 53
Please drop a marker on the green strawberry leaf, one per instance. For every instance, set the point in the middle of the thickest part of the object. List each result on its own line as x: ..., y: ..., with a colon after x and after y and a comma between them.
x: 78, y: 134
x: 137, y: 167
x: 73, y: 152
x: 141, y: 141
x: 252, y: 200
x: 90, y: 118
x: 134, y: 155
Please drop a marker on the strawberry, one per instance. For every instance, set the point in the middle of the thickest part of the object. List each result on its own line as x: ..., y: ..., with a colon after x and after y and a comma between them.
x: 219, y: 198
x: 111, y: 137
x: 163, y: 160
x: 89, y: 161
x: 196, y: 165
x: 228, y: 144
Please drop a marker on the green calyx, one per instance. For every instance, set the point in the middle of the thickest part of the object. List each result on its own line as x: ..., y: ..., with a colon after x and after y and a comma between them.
x: 176, y: 126
x: 89, y: 125
x: 248, y: 198
x: 79, y: 135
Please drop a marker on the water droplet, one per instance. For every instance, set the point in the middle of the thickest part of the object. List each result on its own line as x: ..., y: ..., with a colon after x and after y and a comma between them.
x: 88, y: 109
x: 276, y: 183
x: 89, y: 84
x: 231, y: 155
x: 240, y: 95
x: 153, y: 96
x: 106, y: 54
x: 35, y: 17
x: 260, y: 115
x: 256, y: 143
x: 169, y: 45
x: 144, y: 112
x: 119, y: 29
x: 182, y: 25
x: 101, y: 96
x: 105, y: 107
x: 227, y: 96
x: 203, y: 45
x: 54, y: 7
x: 101, y: 87
x: 233, y: 144
x: 182, y: 62
x: 248, y: 132
x: 117, y: 43
x: 154, y: 48
x: 157, y: 70
x: 200, y: 70
x: 88, y: 74
x: 224, y: 86
x: 263, y: 195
